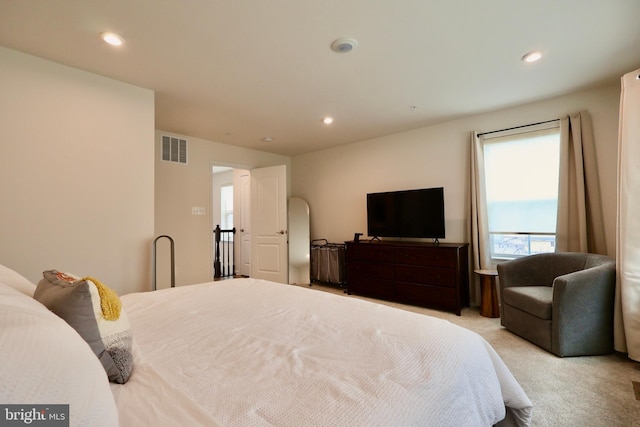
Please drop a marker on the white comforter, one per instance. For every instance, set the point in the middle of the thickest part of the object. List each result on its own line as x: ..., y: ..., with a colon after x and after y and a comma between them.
x: 249, y: 352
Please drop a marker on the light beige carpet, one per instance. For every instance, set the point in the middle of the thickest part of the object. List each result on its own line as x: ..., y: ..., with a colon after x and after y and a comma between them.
x: 571, y: 391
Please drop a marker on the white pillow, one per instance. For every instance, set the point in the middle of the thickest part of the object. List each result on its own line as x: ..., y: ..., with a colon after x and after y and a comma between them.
x: 45, y: 361
x: 16, y: 281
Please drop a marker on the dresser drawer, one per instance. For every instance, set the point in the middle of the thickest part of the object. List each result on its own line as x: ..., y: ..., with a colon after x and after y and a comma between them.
x: 435, y: 256
x: 371, y: 252
x: 430, y: 296
x: 370, y: 269
x: 373, y: 287
x: 426, y: 275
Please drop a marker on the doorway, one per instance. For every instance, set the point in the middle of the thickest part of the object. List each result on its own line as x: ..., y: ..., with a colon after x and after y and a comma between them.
x: 262, y: 240
x: 230, y: 208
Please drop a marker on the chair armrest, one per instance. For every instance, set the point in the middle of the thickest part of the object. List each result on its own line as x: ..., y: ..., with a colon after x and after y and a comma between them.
x: 577, y: 294
x: 583, y: 296
x: 582, y: 310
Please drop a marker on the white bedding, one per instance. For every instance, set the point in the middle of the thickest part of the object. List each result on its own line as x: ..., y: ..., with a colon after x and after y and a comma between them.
x: 251, y: 352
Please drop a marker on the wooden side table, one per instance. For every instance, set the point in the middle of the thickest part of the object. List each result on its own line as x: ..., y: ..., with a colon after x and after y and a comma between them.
x: 489, y: 303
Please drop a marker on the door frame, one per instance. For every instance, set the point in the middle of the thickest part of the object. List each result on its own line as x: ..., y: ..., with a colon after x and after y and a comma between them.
x: 232, y: 165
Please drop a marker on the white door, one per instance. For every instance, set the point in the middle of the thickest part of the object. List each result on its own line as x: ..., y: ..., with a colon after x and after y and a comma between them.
x: 242, y: 182
x: 269, y: 252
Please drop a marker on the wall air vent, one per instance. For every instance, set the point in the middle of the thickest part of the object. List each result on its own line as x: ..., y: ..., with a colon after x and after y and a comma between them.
x: 174, y: 149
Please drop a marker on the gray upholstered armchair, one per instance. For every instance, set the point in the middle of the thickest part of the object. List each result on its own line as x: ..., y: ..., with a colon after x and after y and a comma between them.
x: 562, y: 302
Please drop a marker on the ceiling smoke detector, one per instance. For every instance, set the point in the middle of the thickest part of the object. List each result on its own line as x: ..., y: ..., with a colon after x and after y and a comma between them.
x: 344, y: 45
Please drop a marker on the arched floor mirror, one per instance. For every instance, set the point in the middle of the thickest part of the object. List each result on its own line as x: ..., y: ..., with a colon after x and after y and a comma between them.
x: 299, y: 243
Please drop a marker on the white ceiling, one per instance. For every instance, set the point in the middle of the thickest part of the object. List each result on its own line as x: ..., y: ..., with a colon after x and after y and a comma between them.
x: 238, y: 71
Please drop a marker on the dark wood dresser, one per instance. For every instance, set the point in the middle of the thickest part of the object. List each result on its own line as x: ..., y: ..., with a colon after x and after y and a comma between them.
x: 424, y: 274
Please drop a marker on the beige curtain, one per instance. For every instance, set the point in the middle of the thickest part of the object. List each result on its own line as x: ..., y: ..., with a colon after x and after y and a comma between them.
x: 580, y: 227
x: 627, y: 316
x: 479, y: 227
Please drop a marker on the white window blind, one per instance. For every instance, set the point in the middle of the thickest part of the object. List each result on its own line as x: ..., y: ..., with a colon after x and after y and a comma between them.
x: 521, y: 169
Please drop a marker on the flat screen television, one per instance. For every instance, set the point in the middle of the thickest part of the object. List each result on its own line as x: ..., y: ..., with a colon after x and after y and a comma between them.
x: 408, y: 213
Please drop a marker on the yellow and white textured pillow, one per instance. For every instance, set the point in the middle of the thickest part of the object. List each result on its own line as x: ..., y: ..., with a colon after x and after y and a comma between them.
x: 95, y: 312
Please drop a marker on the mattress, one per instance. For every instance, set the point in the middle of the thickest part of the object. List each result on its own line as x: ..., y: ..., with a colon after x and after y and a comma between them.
x: 254, y: 353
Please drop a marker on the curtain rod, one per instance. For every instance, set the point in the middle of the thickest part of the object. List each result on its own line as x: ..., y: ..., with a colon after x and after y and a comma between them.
x: 518, y: 127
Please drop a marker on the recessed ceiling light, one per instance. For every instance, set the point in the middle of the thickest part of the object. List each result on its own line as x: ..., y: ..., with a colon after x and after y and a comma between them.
x: 327, y: 120
x: 267, y: 139
x: 112, y: 38
x: 344, y: 45
x: 532, y: 56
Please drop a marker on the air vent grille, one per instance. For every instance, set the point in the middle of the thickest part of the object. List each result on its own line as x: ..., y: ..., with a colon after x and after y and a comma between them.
x: 174, y: 149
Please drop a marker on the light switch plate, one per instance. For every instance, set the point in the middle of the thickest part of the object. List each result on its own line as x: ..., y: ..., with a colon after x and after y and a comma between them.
x: 197, y: 211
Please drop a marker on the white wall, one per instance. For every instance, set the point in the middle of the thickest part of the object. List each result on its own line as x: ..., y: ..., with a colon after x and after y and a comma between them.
x: 76, y: 173
x: 335, y: 181
x: 180, y: 187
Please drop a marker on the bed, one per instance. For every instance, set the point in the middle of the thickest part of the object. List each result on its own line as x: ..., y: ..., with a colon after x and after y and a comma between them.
x: 256, y: 353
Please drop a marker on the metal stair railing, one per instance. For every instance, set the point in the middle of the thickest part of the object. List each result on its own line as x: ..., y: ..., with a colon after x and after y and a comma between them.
x: 223, y: 264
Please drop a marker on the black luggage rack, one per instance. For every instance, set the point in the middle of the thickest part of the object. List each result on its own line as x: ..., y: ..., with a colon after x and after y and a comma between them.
x: 328, y: 263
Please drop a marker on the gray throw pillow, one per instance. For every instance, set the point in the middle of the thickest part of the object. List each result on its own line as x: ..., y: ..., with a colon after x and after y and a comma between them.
x: 95, y: 312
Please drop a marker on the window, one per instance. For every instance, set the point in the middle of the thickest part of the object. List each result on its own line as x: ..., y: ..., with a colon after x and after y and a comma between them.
x: 521, y: 169
x: 226, y: 207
